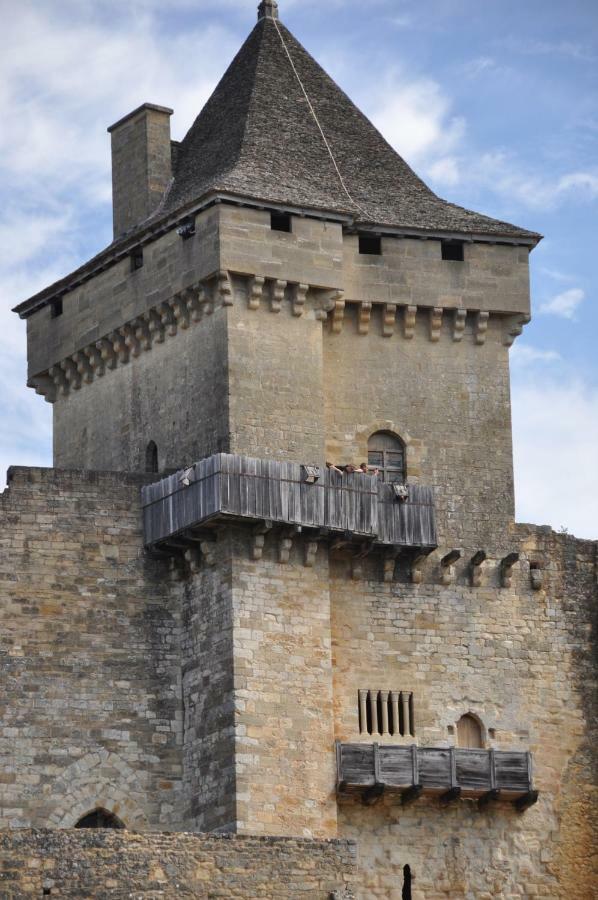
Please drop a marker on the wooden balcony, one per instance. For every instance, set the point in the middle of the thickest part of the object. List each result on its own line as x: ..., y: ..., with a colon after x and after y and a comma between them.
x: 239, y: 488
x: 372, y: 770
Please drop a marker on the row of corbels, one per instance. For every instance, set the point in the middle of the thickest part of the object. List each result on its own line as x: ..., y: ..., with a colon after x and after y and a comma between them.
x: 476, y: 569
x: 135, y: 337
x: 406, y: 318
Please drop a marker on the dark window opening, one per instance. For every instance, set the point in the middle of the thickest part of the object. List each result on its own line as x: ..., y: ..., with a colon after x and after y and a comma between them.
x: 46, y: 892
x: 407, y: 878
x: 186, y: 229
x: 151, y: 458
x: 370, y: 245
x: 281, y: 222
x: 453, y: 251
x: 56, y: 308
x: 136, y: 259
x: 386, y: 453
x: 100, y: 818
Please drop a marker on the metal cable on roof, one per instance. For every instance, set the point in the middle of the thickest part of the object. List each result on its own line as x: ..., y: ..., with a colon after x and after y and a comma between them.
x: 321, y: 130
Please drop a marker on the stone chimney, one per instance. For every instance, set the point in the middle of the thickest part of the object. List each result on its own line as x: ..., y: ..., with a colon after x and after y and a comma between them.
x: 141, y: 165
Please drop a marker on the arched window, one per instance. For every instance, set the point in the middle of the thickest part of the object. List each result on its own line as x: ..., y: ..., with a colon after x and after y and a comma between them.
x: 469, y: 733
x: 407, y: 878
x: 151, y: 458
x: 386, y: 452
x: 99, y: 818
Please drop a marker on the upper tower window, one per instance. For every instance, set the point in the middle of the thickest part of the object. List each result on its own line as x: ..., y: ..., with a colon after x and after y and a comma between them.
x: 281, y: 222
x: 370, y: 245
x: 100, y: 818
x: 151, y: 458
x: 386, y: 452
x: 56, y: 308
x: 469, y: 733
x: 453, y: 251
x: 136, y: 259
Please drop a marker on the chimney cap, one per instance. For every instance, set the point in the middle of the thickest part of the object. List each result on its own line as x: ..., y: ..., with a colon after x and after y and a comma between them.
x: 149, y: 106
x: 268, y: 9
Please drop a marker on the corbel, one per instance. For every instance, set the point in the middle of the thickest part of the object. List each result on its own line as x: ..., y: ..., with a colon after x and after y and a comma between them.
x: 447, y: 566
x: 193, y: 558
x: 515, y: 326
x: 475, y: 568
x: 96, y: 362
x: 277, y: 290
x: 506, y: 569
x: 259, y: 539
x: 435, y: 324
x: 364, y: 316
x: 311, y: 549
x: 119, y: 347
x: 155, y: 326
x: 180, y: 311
x: 390, y: 560
x: 389, y: 315
x: 417, y: 576
x: 256, y: 290
x: 459, y: 324
x: 285, y: 545
x: 58, y: 376
x: 482, y: 319
x: 195, y: 302
x: 71, y: 373
x: 106, y: 349
x: 409, y: 318
x: 225, y: 288
x: 357, y: 568
x: 167, y: 318
x: 83, y: 366
x: 338, y: 312
x: 131, y: 342
x: 536, y: 574
x: 142, y: 334
x: 44, y: 386
x: 299, y: 298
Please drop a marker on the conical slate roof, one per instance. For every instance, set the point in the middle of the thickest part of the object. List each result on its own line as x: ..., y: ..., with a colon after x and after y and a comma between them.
x: 277, y: 129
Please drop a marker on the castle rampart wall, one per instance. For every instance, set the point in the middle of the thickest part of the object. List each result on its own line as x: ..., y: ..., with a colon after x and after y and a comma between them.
x: 90, y: 697
x: 518, y: 659
x: 121, y: 866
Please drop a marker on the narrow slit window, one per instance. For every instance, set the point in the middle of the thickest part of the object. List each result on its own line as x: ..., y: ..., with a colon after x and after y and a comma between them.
x: 56, y: 308
x: 137, y: 259
x: 281, y: 222
x: 407, y: 877
x: 453, y: 251
x: 370, y: 245
x: 151, y: 458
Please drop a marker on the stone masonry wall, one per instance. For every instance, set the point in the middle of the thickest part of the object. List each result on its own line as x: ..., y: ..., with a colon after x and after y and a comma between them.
x: 90, y: 709
x: 176, y: 395
x: 283, y: 691
x: 521, y: 660
x: 449, y: 401
x: 120, y: 866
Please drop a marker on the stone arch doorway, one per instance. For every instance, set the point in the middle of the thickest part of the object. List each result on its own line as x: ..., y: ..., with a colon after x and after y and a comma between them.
x: 100, y: 818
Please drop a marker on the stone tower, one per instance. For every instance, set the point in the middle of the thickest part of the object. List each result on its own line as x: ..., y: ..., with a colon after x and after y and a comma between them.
x: 258, y: 644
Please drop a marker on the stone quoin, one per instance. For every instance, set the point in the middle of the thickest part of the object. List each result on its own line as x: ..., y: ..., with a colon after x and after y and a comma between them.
x: 233, y: 663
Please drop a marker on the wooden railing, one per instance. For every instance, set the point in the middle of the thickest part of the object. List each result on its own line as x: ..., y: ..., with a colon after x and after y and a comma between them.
x: 226, y: 486
x: 488, y: 775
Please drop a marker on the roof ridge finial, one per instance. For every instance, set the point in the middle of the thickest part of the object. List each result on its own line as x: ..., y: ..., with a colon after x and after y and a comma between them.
x: 268, y: 9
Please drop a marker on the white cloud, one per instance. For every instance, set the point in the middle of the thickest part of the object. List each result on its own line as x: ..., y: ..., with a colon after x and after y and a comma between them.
x: 555, y: 439
x: 416, y: 117
x: 584, y: 182
x: 564, y: 304
x: 526, y: 355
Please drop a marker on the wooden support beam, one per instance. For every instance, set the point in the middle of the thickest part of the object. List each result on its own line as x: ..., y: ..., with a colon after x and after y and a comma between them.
x: 411, y: 794
x: 488, y: 799
x: 373, y: 794
x: 523, y: 803
x: 450, y: 796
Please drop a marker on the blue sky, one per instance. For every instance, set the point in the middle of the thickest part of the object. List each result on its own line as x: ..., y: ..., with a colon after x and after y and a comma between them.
x: 494, y: 104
